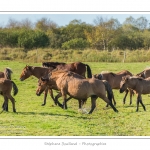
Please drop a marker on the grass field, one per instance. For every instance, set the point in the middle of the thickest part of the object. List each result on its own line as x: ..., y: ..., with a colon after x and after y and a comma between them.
x: 32, y: 119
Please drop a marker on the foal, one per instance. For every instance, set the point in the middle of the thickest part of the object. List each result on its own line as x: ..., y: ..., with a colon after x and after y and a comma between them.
x: 138, y: 84
x: 6, y: 86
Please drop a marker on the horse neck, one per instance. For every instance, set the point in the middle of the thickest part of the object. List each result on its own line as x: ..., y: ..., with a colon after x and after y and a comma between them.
x: 132, y: 85
x: 39, y: 71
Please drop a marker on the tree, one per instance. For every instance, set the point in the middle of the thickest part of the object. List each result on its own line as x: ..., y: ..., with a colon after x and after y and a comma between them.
x: 32, y: 39
x: 103, y: 33
x: 45, y: 24
x: 141, y: 23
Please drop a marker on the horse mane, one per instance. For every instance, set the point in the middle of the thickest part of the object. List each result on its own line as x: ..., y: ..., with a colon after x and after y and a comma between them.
x: 52, y: 64
x: 8, y: 73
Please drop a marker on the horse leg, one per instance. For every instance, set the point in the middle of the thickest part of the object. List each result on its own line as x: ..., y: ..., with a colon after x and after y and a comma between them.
x: 137, y: 102
x: 93, y: 103
x: 108, y: 102
x: 64, y: 95
x: 142, y: 103
x: 113, y: 98
x: 5, y: 104
x: 45, y: 96
x: 124, y: 99
x: 52, y: 96
x: 12, y: 101
x: 56, y: 100
x: 131, y: 93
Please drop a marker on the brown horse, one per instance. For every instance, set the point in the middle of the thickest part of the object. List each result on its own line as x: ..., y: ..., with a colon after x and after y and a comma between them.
x: 114, y: 80
x: 7, y: 75
x: 144, y: 74
x: 138, y: 84
x: 38, y: 72
x: 77, y: 67
x: 6, y: 86
x: 42, y: 82
x: 70, y: 83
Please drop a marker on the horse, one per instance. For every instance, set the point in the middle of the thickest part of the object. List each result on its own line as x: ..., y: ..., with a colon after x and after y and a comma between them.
x: 144, y: 74
x: 7, y: 75
x: 37, y: 72
x: 138, y: 84
x: 43, y: 83
x: 6, y: 86
x: 70, y: 83
x: 114, y: 80
x: 77, y: 67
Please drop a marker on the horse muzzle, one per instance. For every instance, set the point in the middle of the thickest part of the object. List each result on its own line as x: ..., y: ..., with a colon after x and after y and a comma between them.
x: 38, y: 94
x: 121, y: 90
x: 21, y: 79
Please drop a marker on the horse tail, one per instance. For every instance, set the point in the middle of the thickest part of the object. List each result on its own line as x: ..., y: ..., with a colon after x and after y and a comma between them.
x: 89, y: 72
x: 15, y: 88
x: 7, y: 73
x: 109, y: 90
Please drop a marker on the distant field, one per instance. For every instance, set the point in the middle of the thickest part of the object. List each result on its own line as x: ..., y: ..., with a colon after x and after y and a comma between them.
x: 32, y: 119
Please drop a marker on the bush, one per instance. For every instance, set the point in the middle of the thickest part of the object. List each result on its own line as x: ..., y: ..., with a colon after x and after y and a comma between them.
x: 77, y: 43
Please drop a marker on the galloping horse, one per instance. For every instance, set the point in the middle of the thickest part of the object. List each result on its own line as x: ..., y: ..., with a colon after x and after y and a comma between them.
x: 70, y: 83
x: 6, y: 86
x: 138, y: 84
x: 144, y: 74
x: 77, y: 67
x: 114, y: 80
x: 7, y: 75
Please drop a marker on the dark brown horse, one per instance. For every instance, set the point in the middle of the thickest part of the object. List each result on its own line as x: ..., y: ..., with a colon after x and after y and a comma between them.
x: 71, y: 84
x: 7, y: 75
x: 114, y: 80
x: 6, y: 86
x: 77, y: 67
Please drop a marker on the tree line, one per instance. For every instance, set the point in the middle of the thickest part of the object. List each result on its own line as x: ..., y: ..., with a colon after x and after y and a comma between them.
x: 103, y: 34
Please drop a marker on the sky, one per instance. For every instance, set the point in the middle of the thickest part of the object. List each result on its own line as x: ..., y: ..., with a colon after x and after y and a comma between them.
x: 62, y: 19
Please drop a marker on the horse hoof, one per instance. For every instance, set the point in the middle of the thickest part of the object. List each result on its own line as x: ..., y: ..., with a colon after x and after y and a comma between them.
x: 116, y: 111
x: 43, y: 105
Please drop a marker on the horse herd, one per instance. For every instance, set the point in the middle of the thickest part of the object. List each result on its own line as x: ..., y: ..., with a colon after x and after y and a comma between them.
x: 70, y: 80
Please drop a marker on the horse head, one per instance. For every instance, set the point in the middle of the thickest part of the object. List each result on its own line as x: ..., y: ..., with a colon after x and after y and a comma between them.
x: 26, y: 73
x: 123, y: 83
x: 42, y: 84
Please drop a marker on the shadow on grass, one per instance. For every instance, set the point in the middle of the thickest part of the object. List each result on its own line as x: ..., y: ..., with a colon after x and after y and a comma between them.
x: 72, y: 115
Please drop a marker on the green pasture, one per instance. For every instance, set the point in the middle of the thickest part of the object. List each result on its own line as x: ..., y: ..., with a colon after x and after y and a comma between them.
x: 32, y: 119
